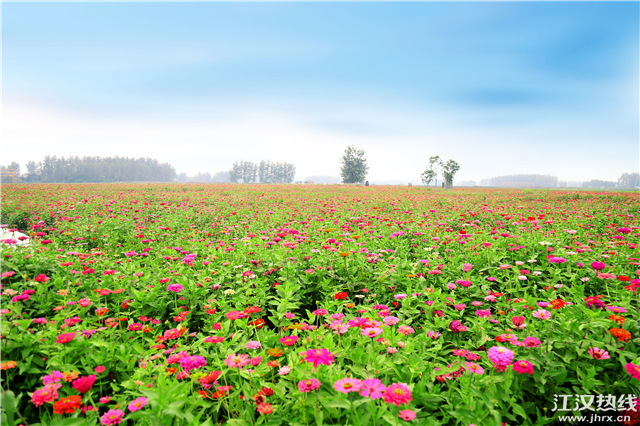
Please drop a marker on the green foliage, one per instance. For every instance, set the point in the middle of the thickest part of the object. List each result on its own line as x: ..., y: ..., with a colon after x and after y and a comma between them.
x: 353, y: 165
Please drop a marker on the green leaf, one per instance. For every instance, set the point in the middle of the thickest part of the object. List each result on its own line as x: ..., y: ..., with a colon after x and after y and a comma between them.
x: 8, y: 401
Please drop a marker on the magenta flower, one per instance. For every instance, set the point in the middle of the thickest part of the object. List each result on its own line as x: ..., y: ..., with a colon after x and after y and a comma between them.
x: 318, y: 356
x: 176, y: 288
x: 112, y: 417
x: 633, y: 370
x: 523, y: 367
x: 397, y: 393
x: 372, y: 388
x: 500, y: 356
x: 598, y: 266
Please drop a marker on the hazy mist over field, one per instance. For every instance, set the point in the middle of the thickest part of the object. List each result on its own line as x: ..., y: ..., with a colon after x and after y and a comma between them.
x: 502, y: 88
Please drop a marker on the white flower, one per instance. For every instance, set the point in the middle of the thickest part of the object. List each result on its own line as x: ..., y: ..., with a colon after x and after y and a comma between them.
x: 532, y: 261
x: 229, y: 292
x: 585, y: 279
x: 537, y: 273
x: 558, y: 286
x: 544, y: 243
x: 237, y: 267
x: 522, y: 278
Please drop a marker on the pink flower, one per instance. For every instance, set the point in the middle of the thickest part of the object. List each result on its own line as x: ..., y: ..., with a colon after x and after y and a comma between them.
x: 84, y: 302
x: 54, y: 377
x: 460, y: 306
x: 284, y: 370
x: 308, y: 385
x: 66, y: 338
x: 598, y: 266
x: 112, y: 417
x: 500, y: 356
x: 531, y: 342
x: 466, y: 268
x: 347, y: 385
x: 542, y: 314
x: 433, y: 335
x: 405, y: 330
x: 371, y: 332
x: 473, y: 367
x: 289, y: 340
x: 99, y: 369
x: 634, y: 370
x: 372, y: 388
x: 237, y: 361
x: 523, y: 367
x: 407, y: 415
x: 397, y: 393
x: 253, y: 345
x: 289, y: 315
x: 255, y: 361
x: 49, y: 393
x: 483, y: 313
x: 214, y: 339
x: 597, y: 353
x: 319, y: 356
x: 189, y: 363
x: 320, y: 312
x: 138, y: 403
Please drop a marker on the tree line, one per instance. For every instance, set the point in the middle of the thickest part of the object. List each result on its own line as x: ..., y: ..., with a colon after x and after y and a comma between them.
x: 265, y: 172
x: 96, y: 169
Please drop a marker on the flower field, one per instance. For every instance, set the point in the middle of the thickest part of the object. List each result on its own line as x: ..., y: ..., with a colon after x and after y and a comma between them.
x: 265, y: 304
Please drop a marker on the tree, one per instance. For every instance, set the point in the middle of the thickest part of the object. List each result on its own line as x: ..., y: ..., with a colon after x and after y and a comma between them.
x: 449, y: 170
x: 432, y: 172
x: 353, y: 165
x: 629, y: 180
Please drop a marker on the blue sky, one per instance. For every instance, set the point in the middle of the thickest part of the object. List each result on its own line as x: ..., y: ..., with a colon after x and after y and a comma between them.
x: 500, y: 87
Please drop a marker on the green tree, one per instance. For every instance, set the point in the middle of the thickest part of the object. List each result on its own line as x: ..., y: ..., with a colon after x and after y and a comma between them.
x: 449, y: 170
x: 432, y: 172
x: 353, y: 165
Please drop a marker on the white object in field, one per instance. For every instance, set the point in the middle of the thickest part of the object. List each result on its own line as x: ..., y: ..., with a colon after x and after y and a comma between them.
x: 13, y: 236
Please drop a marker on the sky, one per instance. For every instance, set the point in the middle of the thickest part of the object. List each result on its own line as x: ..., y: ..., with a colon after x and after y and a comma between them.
x: 502, y: 88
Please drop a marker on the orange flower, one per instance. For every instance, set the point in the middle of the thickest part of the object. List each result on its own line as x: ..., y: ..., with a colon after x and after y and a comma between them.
x: 350, y: 305
x: 70, y: 376
x: 622, y: 334
x: 67, y: 405
x: 170, y: 370
x: 7, y: 365
x: 617, y: 319
x: 345, y: 254
x: 275, y: 352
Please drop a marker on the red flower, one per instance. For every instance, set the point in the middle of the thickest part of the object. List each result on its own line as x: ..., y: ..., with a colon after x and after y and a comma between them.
x: 84, y: 384
x: 341, y: 295
x: 623, y: 278
x: 252, y: 310
x: 557, y: 304
x: 259, y: 323
x: 42, y: 278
